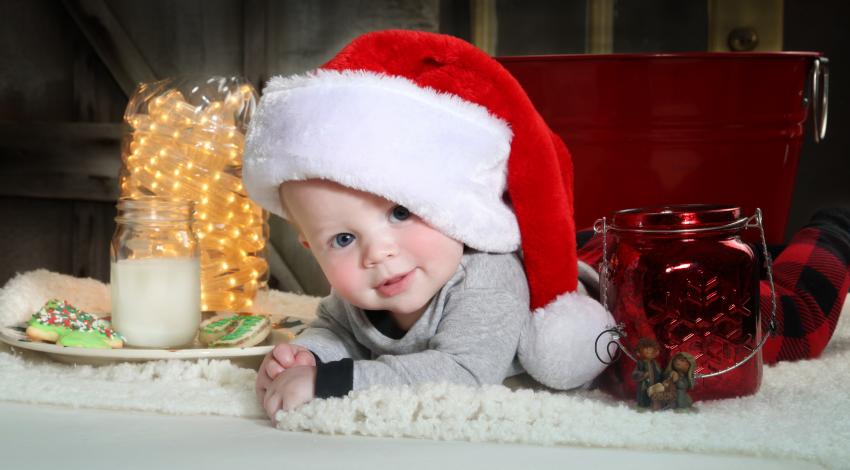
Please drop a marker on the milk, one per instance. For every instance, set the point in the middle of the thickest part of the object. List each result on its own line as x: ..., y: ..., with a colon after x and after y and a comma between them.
x: 156, y: 303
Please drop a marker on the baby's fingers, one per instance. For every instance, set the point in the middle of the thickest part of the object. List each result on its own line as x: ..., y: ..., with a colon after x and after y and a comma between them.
x: 284, y: 354
x: 262, y: 383
x: 272, y: 403
x: 272, y: 368
x: 304, y: 358
x: 261, y: 390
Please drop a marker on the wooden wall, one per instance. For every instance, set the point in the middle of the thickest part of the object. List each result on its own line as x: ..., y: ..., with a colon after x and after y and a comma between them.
x: 71, y: 67
x: 68, y: 67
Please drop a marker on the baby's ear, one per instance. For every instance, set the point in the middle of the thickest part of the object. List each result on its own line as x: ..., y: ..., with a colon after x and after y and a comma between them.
x: 303, y: 241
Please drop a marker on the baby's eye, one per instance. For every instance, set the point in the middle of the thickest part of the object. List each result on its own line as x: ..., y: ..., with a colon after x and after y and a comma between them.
x: 400, y: 213
x: 341, y: 240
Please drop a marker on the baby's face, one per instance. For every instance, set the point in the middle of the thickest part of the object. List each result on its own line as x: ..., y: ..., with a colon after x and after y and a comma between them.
x: 649, y: 352
x: 375, y: 254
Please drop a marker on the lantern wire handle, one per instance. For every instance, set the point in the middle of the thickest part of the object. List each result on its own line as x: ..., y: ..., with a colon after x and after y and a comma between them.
x: 619, y: 331
x: 616, y: 332
x: 601, y: 227
x: 756, y: 221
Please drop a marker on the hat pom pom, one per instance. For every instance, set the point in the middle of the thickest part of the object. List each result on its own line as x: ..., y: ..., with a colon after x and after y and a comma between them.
x: 557, y: 345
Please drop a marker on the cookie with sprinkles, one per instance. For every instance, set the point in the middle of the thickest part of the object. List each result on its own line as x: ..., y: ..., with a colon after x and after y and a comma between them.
x: 57, y: 319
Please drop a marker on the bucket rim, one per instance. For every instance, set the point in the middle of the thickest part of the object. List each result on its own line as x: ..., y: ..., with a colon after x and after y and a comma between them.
x: 664, y: 56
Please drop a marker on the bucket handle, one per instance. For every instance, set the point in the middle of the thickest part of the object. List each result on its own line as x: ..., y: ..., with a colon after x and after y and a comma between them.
x: 619, y: 331
x: 820, y: 97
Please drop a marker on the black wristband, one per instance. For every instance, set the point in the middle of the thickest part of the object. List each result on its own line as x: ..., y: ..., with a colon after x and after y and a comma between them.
x: 335, y: 378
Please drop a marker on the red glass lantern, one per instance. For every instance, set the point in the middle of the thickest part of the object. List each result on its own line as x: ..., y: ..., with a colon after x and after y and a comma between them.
x: 681, y: 275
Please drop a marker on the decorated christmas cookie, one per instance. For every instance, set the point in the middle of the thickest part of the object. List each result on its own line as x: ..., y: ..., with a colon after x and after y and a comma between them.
x: 56, y: 320
x: 234, y: 331
x: 216, y: 327
x: 84, y: 339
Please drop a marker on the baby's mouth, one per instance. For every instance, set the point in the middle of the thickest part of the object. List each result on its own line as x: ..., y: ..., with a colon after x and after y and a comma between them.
x: 395, y: 284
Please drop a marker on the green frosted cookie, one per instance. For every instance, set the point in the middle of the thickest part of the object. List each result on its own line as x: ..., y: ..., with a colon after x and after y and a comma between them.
x: 79, y: 339
x: 234, y: 331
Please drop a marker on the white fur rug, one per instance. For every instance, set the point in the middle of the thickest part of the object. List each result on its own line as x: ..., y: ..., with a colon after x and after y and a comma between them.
x: 802, y: 410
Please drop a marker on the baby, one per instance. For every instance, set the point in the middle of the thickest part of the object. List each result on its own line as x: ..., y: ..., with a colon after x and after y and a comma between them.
x: 438, y: 204
x: 408, y: 305
x: 416, y: 170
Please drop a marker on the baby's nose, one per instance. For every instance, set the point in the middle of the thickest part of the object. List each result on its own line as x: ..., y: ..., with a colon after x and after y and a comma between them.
x: 380, y: 250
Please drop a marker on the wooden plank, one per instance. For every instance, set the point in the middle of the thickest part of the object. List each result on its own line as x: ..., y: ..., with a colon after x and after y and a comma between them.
x: 542, y: 27
x: 85, y: 94
x: 745, y: 25
x: 186, y: 38
x: 303, y: 35
x: 92, y: 226
x: 455, y: 18
x: 59, y: 186
x: 76, y: 148
x: 63, y: 236
x: 300, y: 262
x: 111, y: 42
x: 281, y: 272
x: 37, y: 239
x: 600, y: 27
x: 96, y: 95
x: 485, y: 25
x: 66, y: 130
x: 26, y: 134
x: 254, y: 66
x: 660, y: 26
x: 60, y: 160
x: 37, y: 55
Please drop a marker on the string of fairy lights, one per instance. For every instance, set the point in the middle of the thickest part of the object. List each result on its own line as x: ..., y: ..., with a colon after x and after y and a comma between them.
x: 177, y: 149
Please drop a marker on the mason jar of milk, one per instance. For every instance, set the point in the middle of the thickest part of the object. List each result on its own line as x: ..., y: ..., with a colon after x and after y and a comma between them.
x: 156, y: 272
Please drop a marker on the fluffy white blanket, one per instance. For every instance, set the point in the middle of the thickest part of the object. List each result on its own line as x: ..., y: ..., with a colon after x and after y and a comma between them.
x: 802, y: 410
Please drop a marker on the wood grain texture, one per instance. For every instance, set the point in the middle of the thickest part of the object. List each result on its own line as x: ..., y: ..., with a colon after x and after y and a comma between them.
x: 60, y: 160
x: 111, y: 42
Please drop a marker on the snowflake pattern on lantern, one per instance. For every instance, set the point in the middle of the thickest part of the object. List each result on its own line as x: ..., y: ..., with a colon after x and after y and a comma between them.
x: 704, y: 314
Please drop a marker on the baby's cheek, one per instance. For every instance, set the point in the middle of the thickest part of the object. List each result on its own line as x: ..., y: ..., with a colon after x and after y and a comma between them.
x: 429, y: 243
x: 424, y: 240
x: 342, y: 277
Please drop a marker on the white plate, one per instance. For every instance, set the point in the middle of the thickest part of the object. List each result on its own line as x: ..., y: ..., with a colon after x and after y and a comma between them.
x: 16, y: 337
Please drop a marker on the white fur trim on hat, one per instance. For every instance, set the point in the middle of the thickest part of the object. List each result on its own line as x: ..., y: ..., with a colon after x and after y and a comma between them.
x: 442, y: 157
x: 557, y: 344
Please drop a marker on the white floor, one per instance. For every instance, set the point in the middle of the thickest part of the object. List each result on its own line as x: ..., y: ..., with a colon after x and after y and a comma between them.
x: 36, y: 437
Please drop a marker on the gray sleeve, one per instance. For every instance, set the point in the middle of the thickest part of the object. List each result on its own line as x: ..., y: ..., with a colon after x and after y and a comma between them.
x: 474, y: 344
x: 329, y: 335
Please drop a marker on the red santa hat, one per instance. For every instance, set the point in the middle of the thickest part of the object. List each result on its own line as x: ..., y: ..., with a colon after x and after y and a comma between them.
x: 435, y: 124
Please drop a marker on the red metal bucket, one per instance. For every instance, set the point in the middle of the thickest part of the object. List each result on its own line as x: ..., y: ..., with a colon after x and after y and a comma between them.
x: 654, y: 129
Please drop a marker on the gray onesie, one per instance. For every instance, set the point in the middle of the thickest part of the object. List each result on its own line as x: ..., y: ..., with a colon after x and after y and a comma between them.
x: 467, y: 335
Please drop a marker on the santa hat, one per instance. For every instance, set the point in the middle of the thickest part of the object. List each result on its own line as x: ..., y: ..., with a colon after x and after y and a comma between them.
x: 435, y: 124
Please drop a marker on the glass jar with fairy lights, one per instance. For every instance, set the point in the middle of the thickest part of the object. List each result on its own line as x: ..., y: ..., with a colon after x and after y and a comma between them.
x: 185, y: 141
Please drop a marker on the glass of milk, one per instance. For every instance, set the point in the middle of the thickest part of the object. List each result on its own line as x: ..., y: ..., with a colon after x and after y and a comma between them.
x: 156, y: 273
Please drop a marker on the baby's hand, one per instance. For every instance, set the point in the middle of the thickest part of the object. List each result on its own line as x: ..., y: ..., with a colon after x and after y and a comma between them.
x: 291, y: 388
x: 292, y: 355
x: 282, y: 357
